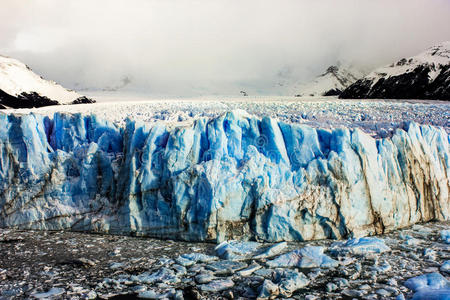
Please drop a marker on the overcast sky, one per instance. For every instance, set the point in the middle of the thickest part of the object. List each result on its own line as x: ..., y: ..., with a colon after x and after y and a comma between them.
x: 212, y: 46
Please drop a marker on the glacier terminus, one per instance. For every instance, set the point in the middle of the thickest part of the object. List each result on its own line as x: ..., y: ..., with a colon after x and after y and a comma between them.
x: 234, y: 176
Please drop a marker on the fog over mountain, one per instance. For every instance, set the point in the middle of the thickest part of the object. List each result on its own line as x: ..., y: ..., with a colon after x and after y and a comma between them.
x: 212, y: 47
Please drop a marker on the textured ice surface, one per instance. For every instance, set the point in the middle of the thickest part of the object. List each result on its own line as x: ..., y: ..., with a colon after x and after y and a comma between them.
x: 229, y: 177
x: 308, y: 257
x: 239, y: 250
x: 192, y: 258
x: 235, y: 250
x: 429, y: 286
x: 445, y: 267
x: 445, y: 236
x: 289, y: 281
x: 52, y: 293
x: 363, y: 246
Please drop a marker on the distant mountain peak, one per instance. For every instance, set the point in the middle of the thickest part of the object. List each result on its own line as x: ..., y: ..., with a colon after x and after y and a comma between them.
x: 331, y: 83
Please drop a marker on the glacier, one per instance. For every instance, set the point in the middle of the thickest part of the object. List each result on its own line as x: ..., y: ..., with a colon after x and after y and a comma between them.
x: 235, y: 176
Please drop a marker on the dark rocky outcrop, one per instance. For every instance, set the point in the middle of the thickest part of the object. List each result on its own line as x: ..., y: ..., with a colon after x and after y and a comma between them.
x: 33, y: 99
x: 412, y: 85
x: 332, y: 92
x: 25, y: 100
x: 83, y: 100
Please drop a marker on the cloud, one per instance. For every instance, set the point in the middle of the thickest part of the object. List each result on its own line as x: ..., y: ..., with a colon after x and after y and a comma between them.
x: 200, y: 46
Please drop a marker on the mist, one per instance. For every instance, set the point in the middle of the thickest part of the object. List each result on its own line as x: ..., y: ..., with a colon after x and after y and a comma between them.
x: 202, y: 47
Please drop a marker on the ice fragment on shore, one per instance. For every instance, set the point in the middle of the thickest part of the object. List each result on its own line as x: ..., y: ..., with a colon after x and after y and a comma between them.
x: 217, y: 285
x: 445, y: 236
x: 307, y: 257
x: 365, y: 245
x: 53, y: 292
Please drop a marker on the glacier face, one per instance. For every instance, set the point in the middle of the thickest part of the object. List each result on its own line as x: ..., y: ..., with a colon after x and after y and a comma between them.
x: 234, y: 176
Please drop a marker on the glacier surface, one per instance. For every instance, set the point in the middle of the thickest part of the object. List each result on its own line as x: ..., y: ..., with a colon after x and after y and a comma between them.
x: 234, y: 176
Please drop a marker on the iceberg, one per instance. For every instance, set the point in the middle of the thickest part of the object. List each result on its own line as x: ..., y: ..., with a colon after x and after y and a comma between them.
x: 234, y: 176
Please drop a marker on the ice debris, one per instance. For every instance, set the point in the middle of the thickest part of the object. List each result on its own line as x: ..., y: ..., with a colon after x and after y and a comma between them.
x: 190, y: 259
x: 362, y: 246
x: 236, y: 250
x: 290, y: 281
x: 226, y: 266
x: 429, y: 286
x: 307, y: 257
x: 217, y: 285
x: 445, y: 267
x: 268, y: 290
x: 445, y: 235
x: 53, y: 292
x: 240, y: 250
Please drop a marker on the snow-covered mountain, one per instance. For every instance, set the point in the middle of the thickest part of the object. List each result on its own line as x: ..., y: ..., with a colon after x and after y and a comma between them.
x: 425, y: 76
x: 331, y: 83
x: 20, y: 87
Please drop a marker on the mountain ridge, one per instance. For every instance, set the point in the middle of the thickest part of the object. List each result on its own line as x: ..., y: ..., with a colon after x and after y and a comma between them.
x: 20, y: 87
x: 424, y: 76
x: 330, y: 83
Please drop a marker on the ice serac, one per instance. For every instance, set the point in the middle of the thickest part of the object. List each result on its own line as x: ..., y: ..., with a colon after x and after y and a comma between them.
x: 231, y: 177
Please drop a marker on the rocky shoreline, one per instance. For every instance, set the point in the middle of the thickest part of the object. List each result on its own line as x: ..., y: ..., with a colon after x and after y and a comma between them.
x: 70, y: 265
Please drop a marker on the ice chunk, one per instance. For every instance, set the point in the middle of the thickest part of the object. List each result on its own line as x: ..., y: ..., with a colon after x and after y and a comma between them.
x: 217, y: 285
x: 163, y: 275
x: 192, y: 258
x: 271, y: 251
x: 445, y: 235
x: 249, y: 270
x: 308, y: 257
x: 427, y: 281
x: 226, y: 266
x: 290, y: 281
x: 53, y: 292
x: 362, y: 246
x: 236, y: 250
x: 268, y: 290
x: 432, y: 294
x: 445, y: 267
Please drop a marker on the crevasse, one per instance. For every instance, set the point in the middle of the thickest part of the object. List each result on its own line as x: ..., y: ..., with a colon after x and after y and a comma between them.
x: 234, y: 176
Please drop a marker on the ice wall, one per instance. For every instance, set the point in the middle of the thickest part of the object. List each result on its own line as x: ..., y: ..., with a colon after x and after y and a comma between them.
x: 235, y: 176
